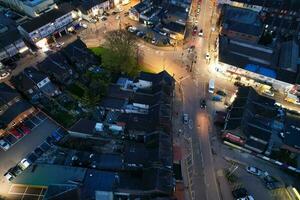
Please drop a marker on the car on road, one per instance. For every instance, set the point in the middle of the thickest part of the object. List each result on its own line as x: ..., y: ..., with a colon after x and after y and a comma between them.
x: 200, y: 34
x: 221, y: 93
x: 185, y: 118
x: 240, y: 193
x: 254, y: 170
x: 202, y: 103
x: 13, y: 172
x: 4, y: 145
x: 195, y: 29
x: 16, y: 133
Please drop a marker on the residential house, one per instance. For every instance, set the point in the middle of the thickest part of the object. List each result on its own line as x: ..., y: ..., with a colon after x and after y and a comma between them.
x: 13, y: 108
x: 255, y: 118
x: 31, y: 8
x: 57, y: 67
x: 92, y: 8
x: 53, y: 24
x: 11, y: 41
x: 35, y: 84
x: 79, y: 55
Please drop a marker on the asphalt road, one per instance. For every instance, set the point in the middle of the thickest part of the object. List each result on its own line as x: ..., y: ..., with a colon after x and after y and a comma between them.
x: 21, y: 149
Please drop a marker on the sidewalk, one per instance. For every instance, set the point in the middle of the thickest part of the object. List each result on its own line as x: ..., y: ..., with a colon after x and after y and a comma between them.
x: 178, y: 139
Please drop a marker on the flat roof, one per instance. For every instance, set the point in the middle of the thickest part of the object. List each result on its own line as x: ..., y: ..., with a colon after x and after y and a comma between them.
x: 47, y: 17
x: 45, y: 175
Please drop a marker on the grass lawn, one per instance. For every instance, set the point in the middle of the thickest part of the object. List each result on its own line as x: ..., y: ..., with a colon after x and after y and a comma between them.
x: 76, y: 90
x: 98, y: 50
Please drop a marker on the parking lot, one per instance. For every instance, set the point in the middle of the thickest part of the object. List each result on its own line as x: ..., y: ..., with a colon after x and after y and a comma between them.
x: 26, y: 192
x: 41, y: 127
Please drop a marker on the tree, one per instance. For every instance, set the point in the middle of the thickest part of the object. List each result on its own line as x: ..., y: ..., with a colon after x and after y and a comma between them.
x: 90, y: 99
x: 121, y: 52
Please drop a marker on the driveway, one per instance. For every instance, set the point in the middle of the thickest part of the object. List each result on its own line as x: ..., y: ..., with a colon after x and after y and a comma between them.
x: 19, y: 150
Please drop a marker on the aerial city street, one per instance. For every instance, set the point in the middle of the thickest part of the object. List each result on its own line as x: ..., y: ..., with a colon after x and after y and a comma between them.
x: 150, y: 99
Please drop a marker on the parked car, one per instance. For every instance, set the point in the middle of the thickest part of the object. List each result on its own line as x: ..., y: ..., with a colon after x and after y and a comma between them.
x: 45, y: 146
x: 9, y: 176
x: 195, y: 29
x: 16, y: 133
x: 103, y: 18
x: 153, y: 41
x: 249, y: 197
x: 31, y: 158
x: 4, y: 145
x: 24, y: 164
x: 132, y: 29
x: 240, y: 193
x: 216, y: 98
x: 162, y: 33
x: 50, y: 140
x: 185, y: 118
x: 24, y: 129
x: 207, y: 56
x: 200, y: 34
x: 254, y: 170
x: 202, y: 103
x: 56, y: 136
x: 83, y: 25
x: 4, y: 74
x: 268, y: 93
x: 38, y: 151
x: 126, y: 14
x: 221, y: 93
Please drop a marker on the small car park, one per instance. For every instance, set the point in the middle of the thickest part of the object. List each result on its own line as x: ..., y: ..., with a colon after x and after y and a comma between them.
x: 31, y: 158
x: 4, y: 145
x: 254, y: 170
x: 24, y: 129
x: 10, y: 139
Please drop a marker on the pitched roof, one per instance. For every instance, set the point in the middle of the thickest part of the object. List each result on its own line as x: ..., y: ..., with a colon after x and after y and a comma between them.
x: 7, y: 93
x: 34, y: 75
x: 47, y: 17
x: 13, y: 111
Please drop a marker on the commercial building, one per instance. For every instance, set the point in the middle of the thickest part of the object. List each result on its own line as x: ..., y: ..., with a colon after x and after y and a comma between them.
x: 11, y: 41
x: 32, y: 8
x: 44, y: 29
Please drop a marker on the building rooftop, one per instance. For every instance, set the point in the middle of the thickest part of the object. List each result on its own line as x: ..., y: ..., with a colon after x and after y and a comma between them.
x: 13, y: 111
x: 292, y: 131
x: 47, y: 17
x: 241, y: 20
x: 283, y: 4
x: 45, y: 175
x: 7, y: 93
x: 241, y: 54
x: 84, y: 126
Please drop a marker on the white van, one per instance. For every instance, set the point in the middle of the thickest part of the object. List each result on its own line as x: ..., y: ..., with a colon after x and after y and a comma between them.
x: 211, y: 86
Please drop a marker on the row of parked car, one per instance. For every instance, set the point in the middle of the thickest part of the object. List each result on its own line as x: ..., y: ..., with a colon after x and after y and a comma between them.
x: 56, y: 136
x: 18, y: 132
x: 269, y: 181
